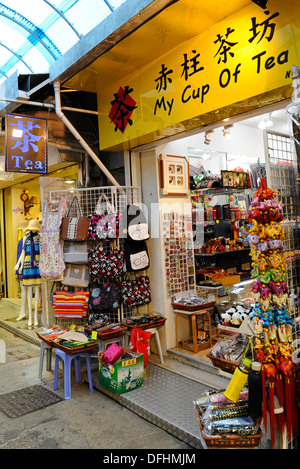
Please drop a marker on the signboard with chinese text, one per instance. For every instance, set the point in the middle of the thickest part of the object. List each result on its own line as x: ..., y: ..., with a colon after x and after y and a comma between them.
x: 26, y: 144
x: 247, y: 54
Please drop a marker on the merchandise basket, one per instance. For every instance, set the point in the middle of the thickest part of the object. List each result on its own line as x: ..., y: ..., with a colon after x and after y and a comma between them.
x: 71, y: 349
x: 160, y: 321
x: 109, y: 333
x: 224, y: 365
x: 229, y: 440
x: 44, y: 339
x: 193, y: 308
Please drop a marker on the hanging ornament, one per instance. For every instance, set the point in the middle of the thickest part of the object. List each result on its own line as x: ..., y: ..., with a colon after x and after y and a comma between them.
x: 272, y: 320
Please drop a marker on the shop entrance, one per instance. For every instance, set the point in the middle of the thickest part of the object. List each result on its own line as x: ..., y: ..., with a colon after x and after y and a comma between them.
x: 220, y: 267
x: 21, y: 203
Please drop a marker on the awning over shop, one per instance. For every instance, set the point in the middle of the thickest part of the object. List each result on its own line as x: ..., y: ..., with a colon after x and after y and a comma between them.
x: 192, y: 65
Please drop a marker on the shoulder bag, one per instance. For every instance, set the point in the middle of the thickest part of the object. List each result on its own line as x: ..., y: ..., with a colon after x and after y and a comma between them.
x: 136, y: 292
x: 104, y: 296
x: 104, y: 222
x: 136, y: 256
x: 74, y: 228
x: 108, y: 264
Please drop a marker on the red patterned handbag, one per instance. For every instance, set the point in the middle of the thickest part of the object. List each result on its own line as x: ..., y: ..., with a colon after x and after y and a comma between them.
x: 108, y: 264
x: 136, y: 292
x: 104, y: 222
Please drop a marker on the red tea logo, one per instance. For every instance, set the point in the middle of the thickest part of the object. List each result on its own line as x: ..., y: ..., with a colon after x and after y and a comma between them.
x: 122, y: 107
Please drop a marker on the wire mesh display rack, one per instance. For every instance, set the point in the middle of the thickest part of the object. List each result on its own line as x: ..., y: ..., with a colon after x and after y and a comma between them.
x: 119, y: 197
x: 282, y: 176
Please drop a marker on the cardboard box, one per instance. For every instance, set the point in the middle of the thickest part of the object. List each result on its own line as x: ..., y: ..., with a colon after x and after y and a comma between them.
x: 125, y: 375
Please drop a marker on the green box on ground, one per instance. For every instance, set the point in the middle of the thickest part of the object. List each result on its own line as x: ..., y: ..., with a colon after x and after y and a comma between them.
x: 125, y: 375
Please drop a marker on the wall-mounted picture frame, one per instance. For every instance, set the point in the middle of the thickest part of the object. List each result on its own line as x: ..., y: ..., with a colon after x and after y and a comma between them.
x: 175, y: 175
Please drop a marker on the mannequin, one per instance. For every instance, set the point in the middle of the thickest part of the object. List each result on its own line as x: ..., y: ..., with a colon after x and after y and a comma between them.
x: 28, y: 266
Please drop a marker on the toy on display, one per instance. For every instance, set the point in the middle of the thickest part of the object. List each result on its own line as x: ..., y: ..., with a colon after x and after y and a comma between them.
x: 272, y: 319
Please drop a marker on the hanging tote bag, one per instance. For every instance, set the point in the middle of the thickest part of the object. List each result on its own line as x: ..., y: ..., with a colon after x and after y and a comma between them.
x: 134, y: 224
x: 136, y: 256
x: 74, y: 228
x: 70, y: 305
x: 76, y: 252
x: 104, y: 222
x: 108, y: 264
x: 76, y: 276
x: 51, y: 264
x: 104, y: 297
x: 136, y: 292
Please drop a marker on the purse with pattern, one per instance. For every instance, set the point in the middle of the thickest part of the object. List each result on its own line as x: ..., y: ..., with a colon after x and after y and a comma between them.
x: 70, y: 304
x: 74, y: 228
x: 136, y: 292
x: 108, y: 264
x: 103, y: 297
x: 104, y: 222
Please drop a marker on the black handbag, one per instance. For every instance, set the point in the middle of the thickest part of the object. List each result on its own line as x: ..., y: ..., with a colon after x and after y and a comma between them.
x: 136, y: 256
x: 104, y: 296
x: 136, y: 292
x: 108, y: 264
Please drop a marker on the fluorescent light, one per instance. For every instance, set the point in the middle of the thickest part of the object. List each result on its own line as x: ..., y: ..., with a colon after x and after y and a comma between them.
x: 17, y: 133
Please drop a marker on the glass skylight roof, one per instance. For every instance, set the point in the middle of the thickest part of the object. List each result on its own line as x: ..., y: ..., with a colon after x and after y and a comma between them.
x: 34, y: 33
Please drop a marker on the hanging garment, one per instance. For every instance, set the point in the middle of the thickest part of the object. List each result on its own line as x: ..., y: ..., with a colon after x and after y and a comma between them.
x: 51, y: 246
x: 31, y: 271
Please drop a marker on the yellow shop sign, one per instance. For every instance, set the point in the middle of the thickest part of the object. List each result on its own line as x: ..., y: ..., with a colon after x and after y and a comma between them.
x: 246, y: 54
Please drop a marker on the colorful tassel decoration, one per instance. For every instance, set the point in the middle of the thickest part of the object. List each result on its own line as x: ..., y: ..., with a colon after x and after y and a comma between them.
x: 272, y: 319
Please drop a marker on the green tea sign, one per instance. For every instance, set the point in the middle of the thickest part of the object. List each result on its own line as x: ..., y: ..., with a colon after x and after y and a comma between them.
x: 26, y: 144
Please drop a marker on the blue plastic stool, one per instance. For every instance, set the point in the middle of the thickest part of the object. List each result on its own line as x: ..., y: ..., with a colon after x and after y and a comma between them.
x: 67, y: 359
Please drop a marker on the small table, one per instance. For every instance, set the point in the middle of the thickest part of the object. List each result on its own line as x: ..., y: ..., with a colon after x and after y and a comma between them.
x: 192, y: 315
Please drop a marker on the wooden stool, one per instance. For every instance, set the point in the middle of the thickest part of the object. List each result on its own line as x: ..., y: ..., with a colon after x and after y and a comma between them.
x: 192, y: 315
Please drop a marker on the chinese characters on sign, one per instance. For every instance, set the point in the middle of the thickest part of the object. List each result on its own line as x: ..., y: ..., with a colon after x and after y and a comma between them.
x: 122, y: 108
x: 226, y: 43
x: 26, y: 144
x: 248, y: 53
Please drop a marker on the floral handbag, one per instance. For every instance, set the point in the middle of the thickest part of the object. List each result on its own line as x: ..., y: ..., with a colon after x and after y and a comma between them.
x: 104, y: 297
x: 108, y: 264
x: 104, y: 222
x: 136, y: 292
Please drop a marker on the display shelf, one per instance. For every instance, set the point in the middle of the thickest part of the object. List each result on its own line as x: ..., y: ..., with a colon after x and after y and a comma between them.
x: 244, y: 328
x: 219, y: 191
x: 204, y: 254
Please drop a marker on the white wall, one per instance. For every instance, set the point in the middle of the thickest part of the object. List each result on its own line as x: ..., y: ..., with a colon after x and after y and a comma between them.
x: 244, y: 140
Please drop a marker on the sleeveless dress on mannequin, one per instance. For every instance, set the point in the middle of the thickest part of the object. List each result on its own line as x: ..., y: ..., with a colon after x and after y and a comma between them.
x: 51, y: 246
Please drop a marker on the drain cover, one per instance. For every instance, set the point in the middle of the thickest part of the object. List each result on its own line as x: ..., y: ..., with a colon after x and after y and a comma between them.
x: 27, y: 400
